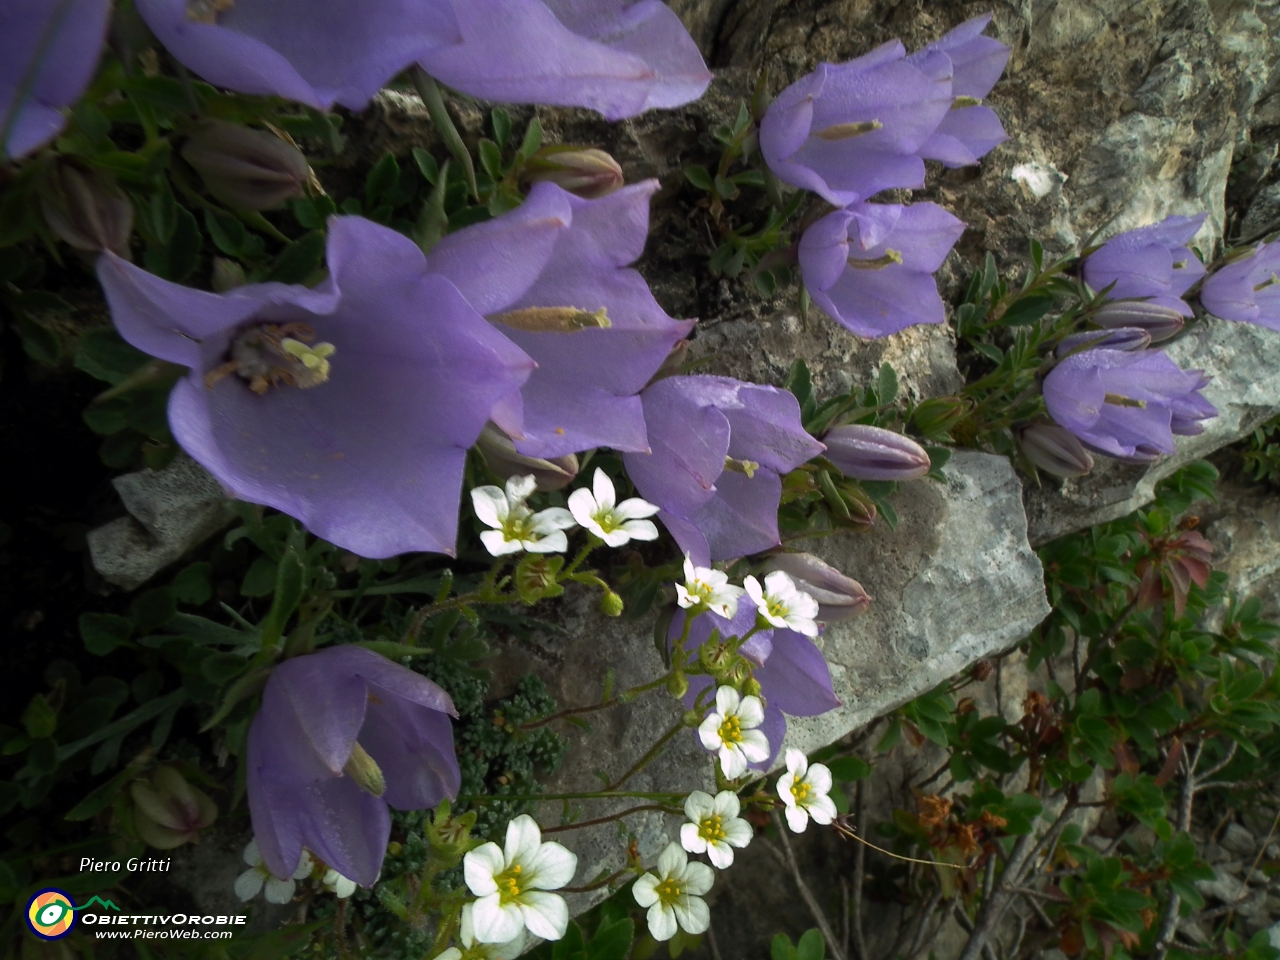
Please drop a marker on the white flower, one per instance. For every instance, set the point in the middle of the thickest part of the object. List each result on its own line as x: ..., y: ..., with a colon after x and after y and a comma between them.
x: 511, y: 883
x: 516, y: 527
x: 615, y: 525
x: 780, y: 603
x: 731, y: 729
x: 337, y: 884
x: 472, y: 949
x: 804, y: 790
x: 715, y: 827
x: 257, y: 876
x: 709, y: 588
x: 674, y: 896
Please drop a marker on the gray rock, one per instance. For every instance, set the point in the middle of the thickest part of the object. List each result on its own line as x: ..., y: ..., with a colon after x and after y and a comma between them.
x: 171, y: 511
x: 1244, y: 527
x: 1223, y: 887
x: 1239, y: 841
x: 1263, y: 215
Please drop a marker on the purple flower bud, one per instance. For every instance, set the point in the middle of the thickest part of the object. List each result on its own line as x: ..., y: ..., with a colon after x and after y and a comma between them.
x: 168, y: 811
x: 48, y: 53
x: 583, y: 171
x: 86, y: 208
x: 246, y: 169
x: 870, y: 266
x: 1247, y: 289
x: 1054, y: 450
x: 873, y: 453
x: 1158, y: 320
x: 341, y: 735
x: 1121, y: 338
x: 1126, y: 406
x: 1152, y: 263
x: 850, y: 130
x: 500, y: 456
x: 839, y: 597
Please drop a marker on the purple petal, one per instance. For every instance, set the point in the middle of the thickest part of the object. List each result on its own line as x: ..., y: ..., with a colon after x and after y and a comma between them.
x: 964, y: 136
x: 414, y: 748
x: 881, y: 302
x: 978, y: 61
x: 343, y: 825
x: 824, y: 250
x: 390, y: 678
x: 742, y: 518
x: 796, y: 678
x: 688, y: 444
x: 319, y: 729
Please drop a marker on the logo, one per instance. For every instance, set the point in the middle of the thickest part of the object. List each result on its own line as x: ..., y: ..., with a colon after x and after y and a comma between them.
x: 51, y: 914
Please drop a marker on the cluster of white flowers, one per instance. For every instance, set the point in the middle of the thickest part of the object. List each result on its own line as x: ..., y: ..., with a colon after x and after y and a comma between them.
x: 276, y: 890
x: 516, y: 527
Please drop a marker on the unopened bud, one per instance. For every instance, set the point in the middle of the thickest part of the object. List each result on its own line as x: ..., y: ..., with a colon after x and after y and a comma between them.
x: 168, y: 811
x: 936, y: 416
x: 675, y: 360
x: 839, y: 597
x: 611, y: 604
x: 364, y: 770
x: 500, y: 456
x: 691, y: 718
x: 1159, y: 321
x: 246, y: 169
x: 226, y: 275
x: 86, y: 208
x: 751, y: 687
x: 678, y: 684
x: 1055, y: 450
x: 873, y: 453
x: 1128, y: 339
x: 585, y: 171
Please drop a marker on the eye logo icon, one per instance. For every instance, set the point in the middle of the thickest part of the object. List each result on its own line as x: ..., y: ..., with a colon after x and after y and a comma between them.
x: 51, y: 914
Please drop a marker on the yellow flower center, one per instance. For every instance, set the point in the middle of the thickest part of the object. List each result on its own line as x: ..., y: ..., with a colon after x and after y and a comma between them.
x: 508, y: 884
x: 731, y: 730
x: 669, y: 891
x: 269, y: 355
x: 800, y: 791
x: 711, y: 829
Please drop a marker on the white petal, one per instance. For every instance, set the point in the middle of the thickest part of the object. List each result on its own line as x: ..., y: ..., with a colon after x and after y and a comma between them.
x: 553, y: 518
x: 774, y: 619
x: 720, y: 854
x: 725, y: 804
x: 752, y: 587
x: 494, y: 923
x: 672, y: 861
x: 453, y: 953
x: 691, y: 572
x: 802, y: 625
x: 551, y: 867
x: 511, y: 949
x: 643, y: 891
x: 278, y: 891
x: 304, y: 867
x: 727, y: 701
x: 797, y: 819
x: 249, y: 883
x: 779, y: 584
x: 803, y: 605
x: 709, y: 731
x: 467, y: 931
x: 797, y: 764
x: 635, y: 509
x: 690, y: 839
x: 698, y: 878
x: 819, y: 778
x: 490, y: 505
x: 727, y: 609
x: 685, y: 599
x: 754, y: 746
x: 732, y: 762
x: 496, y: 542
x: 823, y: 810
x: 479, y: 867
x: 251, y: 855
x: 583, y: 505
x: 545, y: 914
x: 662, y: 922
x: 615, y: 538
x: 523, y: 839
x: 641, y: 529
x: 785, y: 782
x: 693, y: 914
x: 519, y: 489
x: 554, y: 542
x: 344, y: 888
x: 602, y: 487
x: 698, y: 805
x: 751, y: 712
x: 738, y: 832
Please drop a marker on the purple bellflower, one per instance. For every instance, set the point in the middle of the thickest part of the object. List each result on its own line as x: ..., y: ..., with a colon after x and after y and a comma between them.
x: 343, y: 734
x: 620, y: 57
x: 718, y: 450
x: 969, y: 130
x: 864, y: 452
x: 317, y: 52
x: 793, y: 675
x: 847, y: 131
x: 1151, y: 263
x: 1127, y: 406
x: 870, y: 267
x: 553, y: 275
x: 48, y: 52
x: 1247, y: 290
x: 350, y: 406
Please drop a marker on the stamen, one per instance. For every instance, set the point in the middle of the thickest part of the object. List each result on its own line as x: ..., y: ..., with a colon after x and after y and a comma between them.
x: 554, y: 319
x: 959, y: 103
x: 749, y: 467
x: 846, y: 131
x: 731, y: 730
x: 878, y: 263
x: 268, y: 355
x: 207, y: 11
x: 1119, y: 400
x: 1266, y: 283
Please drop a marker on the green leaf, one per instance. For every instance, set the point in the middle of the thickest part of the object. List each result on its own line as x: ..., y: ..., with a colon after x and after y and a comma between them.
x: 299, y: 260
x: 381, y: 180
x: 532, y: 139
x: 39, y: 719
x: 427, y: 165
x: 501, y: 121
x: 700, y: 178
x: 612, y: 941
x: 102, y: 353
x: 781, y: 949
x: 153, y: 609
x: 490, y: 158
x: 290, y: 581
x: 811, y: 946
x: 247, y: 686
x: 535, y: 577
x: 221, y: 667
x: 887, y: 386
x: 101, y: 797
x: 1027, y: 310
x: 194, y: 585
x: 848, y: 769
x: 103, y: 632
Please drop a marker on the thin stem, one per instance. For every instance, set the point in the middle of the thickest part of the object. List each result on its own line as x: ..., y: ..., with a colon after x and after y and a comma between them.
x: 598, y: 884
x: 597, y: 795
x: 625, y: 697
x: 611, y: 818
x: 656, y: 749
x: 592, y: 542
x: 859, y: 876
x: 788, y: 858
x: 429, y: 90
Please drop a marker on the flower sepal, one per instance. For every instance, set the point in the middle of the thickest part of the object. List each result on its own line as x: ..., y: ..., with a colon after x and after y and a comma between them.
x: 450, y: 837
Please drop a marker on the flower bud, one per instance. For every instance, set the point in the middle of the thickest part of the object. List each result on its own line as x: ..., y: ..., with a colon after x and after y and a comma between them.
x: 611, y: 604
x: 500, y: 456
x: 839, y: 597
x: 751, y: 687
x: 675, y: 360
x: 584, y: 171
x: 678, y: 684
x: 1054, y: 450
x: 1127, y: 339
x: 86, y: 208
x: 246, y: 169
x: 1159, y: 321
x: 936, y: 416
x: 873, y: 453
x: 168, y: 811
x: 226, y: 275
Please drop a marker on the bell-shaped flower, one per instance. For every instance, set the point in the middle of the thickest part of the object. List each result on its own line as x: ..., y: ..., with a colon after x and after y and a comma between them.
x: 707, y: 589
x: 865, y: 452
x: 515, y: 526
x: 473, y: 949
x: 48, y: 54
x: 969, y: 130
x: 168, y: 811
x: 850, y: 130
x: 839, y: 597
x: 553, y: 276
x: 1054, y: 449
x: 260, y: 878
x: 1126, y: 406
x: 1150, y: 263
x: 870, y: 267
x: 512, y: 884
x: 620, y: 57
x: 341, y: 735
x: 318, y: 52
x: 1247, y: 289
x: 714, y: 827
x: 350, y: 406
x: 598, y: 511
x: 673, y: 894
x: 780, y: 604
x: 718, y: 450
x: 804, y: 790
x: 730, y: 731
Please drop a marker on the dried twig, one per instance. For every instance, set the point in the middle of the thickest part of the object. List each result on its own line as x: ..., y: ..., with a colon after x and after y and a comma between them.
x: 788, y: 858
